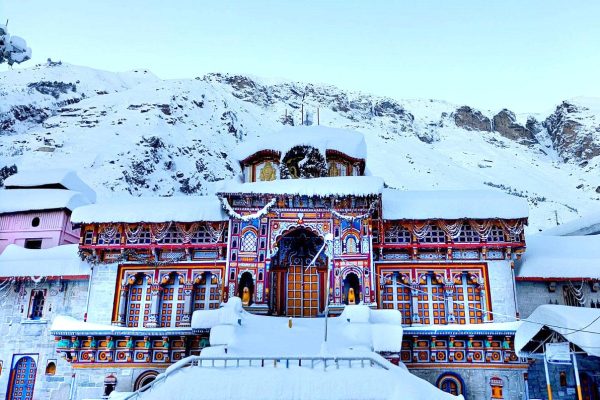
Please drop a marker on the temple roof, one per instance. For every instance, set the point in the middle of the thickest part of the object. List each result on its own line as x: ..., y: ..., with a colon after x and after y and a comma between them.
x: 55, y: 178
x: 323, y: 138
x: 321, y: 187
x: 22, y: 200
x: 560, y: 257
x: 152, y: 209
x: 452, y: 204
x: 59, y: 261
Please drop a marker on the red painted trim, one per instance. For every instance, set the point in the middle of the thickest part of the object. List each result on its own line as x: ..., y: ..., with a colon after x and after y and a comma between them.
x: 494, y: 245
x: 154, y: 246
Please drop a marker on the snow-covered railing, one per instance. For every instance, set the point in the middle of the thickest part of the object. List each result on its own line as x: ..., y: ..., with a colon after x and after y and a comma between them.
x: 265, y: 362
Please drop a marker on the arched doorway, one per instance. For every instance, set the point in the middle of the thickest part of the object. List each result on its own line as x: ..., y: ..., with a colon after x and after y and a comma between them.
x: 298, y: 283
x: 22, y: 379
x: 352, y: 289
x: 246, y: 288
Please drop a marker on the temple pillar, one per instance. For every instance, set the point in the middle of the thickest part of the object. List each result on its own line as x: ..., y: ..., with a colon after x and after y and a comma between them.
x: 414, y: 296
x: 449, y: 294
x: 153, y: 318
x: 188, y: 297
x: 122, y: 314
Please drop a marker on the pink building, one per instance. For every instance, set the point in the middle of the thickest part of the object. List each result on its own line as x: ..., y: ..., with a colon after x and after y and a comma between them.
x: 36, y: 206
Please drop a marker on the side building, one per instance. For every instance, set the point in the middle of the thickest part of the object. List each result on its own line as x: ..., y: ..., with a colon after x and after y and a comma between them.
x: 41, y: 276
x: 561, y: 270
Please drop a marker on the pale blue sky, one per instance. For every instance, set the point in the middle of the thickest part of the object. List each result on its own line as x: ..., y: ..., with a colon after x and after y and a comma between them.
x: 526, y: 55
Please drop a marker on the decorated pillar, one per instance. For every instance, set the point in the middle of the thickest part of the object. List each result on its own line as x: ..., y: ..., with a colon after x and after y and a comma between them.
x: 122, y: 305
x: 449, y: 294
x: 484, y: 304
x: 154, y: 306
x: 188, y: 291
x: 414, y: 293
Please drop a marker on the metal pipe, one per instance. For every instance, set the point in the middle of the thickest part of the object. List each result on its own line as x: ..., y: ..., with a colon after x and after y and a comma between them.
x: 548, y: 387
x: 579, y: 396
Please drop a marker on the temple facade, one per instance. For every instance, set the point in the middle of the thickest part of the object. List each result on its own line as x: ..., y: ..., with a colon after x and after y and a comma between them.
x: 305, y: 228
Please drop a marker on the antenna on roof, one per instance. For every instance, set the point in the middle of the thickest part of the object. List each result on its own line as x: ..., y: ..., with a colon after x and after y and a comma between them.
x: 302, y: 112
x: 318, y: 117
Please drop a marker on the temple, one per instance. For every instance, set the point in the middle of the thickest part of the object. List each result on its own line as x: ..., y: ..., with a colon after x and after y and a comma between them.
x: 304, y: 230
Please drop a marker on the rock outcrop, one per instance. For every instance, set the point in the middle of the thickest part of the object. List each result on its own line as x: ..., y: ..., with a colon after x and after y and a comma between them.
x: 575, y: 130
x: 505, y: 123
x: 470, y: 119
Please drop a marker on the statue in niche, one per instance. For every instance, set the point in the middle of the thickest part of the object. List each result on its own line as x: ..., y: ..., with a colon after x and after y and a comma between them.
x: 268, y: 173
x: 351, y: 296
x: 246, y: 296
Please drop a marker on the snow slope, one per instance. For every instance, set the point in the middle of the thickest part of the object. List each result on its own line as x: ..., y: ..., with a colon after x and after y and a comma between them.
x: 135, y: 133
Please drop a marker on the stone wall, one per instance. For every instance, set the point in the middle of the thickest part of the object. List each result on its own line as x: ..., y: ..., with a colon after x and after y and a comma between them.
x: 530, y: 295
x: 89, y: 382
x: 477, y: 381
x: 502, y: 290
x: 22, y: 336
x: 102, y: 295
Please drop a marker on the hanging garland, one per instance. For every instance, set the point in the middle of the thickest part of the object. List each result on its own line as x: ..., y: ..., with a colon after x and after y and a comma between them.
x: 353, y: 217
x: 133, y: 235
x: 260, y: 213
x: 453, y: 230
x: 420, y: 230
x: 159, y: 231
x: 108, y: 233
x: 216, y: 234
x: 483, y: 229
x: 186, y: 235
x: 515, y: 230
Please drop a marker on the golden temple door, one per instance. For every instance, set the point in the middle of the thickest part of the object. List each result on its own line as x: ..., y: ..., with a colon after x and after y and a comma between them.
x: 302, y: 299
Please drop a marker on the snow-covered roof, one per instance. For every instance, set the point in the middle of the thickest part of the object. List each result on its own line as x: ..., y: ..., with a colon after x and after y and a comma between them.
x: 21, y: 200
x: 323, y: 138
x: 560, y: 257
x: 39, y: 178
x: 59, y: 261
x: 578, y: 325
x: 340, y: 185
x: 452, y: 204
x: 586, y: 225
x: 152, y: 209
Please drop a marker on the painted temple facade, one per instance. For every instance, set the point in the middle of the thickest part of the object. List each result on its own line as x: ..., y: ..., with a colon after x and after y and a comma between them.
x: 444, y: 259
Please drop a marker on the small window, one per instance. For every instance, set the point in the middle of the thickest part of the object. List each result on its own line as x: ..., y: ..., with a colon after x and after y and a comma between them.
x: 33, y: 243
x: 36, y: 304
x: 51, y: 367
x: 35, y: 222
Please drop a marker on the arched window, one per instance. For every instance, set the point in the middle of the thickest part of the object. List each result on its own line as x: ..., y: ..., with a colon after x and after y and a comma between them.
x: 431, y: 301
x: 468, y: 303
x: 51, y: 367
x: 144, y: 379
x: 172, y: 302
x: 140, y: 298
x: 351, y: 244
x: 206, y: 293
x: 396, y: 296
x: 451, y: 383
x: 248, y: 242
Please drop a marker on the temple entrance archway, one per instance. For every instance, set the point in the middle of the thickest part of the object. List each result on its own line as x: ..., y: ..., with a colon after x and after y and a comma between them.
x: 298, y: 286
x: 352, y: 289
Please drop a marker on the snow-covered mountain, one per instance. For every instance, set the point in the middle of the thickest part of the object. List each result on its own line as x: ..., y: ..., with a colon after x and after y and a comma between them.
x: 135, y: 133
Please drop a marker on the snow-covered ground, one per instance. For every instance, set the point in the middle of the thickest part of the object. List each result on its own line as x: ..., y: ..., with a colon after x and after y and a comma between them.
x: 235, y: 333
x: 135, y: 133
